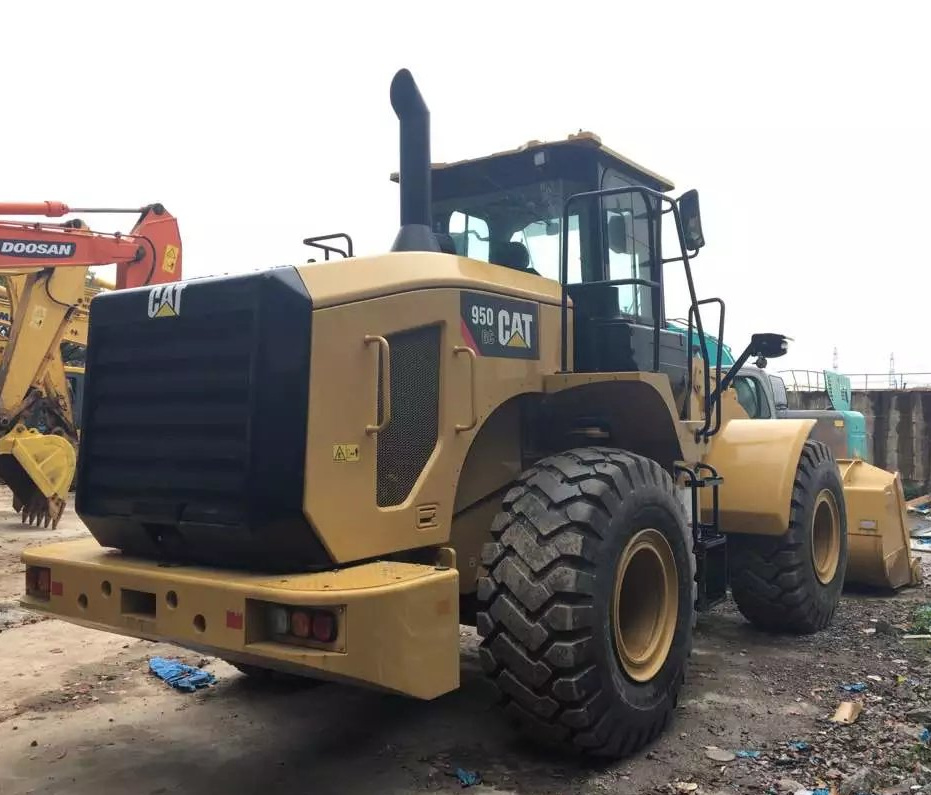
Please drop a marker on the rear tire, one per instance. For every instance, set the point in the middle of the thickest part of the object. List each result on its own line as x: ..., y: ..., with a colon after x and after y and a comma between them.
x: 587, y: 607
x: 793, y: 583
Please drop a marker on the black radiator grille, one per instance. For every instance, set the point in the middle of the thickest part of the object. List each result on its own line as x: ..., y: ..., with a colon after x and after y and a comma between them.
x: 404, y: 447
x: 168, y: 420
x: 194, y: 426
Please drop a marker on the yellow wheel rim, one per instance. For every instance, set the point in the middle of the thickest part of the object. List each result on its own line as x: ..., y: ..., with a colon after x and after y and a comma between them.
x: 825, y: 537
x: 646, y: 604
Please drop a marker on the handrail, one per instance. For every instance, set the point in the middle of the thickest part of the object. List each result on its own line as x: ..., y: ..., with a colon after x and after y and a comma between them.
x: 673, y: 207
x: 382, y: 383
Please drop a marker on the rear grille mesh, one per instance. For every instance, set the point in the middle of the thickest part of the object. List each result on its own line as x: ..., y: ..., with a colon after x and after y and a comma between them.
x: 168, y: 416
x: 405, y: 446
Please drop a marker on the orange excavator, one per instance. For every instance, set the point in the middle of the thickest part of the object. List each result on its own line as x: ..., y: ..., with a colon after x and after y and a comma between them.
x: 45, y: 269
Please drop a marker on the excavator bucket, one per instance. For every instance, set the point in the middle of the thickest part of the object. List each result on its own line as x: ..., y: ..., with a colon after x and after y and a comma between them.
x: 39, y: 469
x: 879, y: 546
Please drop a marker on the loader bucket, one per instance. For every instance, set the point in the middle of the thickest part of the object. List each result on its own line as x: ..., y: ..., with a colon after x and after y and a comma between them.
x: 877, y: 528
x: 39, y: 469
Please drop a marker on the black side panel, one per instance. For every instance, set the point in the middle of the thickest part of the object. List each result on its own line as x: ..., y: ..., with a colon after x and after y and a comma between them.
x: 195, y: 423
x: 617, y: 345
x: 404, y: 447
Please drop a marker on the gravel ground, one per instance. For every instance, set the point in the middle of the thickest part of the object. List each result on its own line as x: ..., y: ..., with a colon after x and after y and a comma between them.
x: 79, y: 713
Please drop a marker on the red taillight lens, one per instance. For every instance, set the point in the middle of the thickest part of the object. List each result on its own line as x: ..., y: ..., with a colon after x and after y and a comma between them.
x: 38, y: 581
x: 324, y: 627
x: 300, y: 624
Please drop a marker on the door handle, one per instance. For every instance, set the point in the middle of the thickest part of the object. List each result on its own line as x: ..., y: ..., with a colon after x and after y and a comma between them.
x: 471, y: 356
x: 382, y: 376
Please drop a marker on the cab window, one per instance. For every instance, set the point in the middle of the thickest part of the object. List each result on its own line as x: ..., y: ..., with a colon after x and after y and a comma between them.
x: 751, y: 397
x: 627, y: 220
x: 470, y: 235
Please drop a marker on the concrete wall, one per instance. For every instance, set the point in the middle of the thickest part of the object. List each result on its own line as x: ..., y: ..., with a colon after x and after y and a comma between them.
x: 898, y: 427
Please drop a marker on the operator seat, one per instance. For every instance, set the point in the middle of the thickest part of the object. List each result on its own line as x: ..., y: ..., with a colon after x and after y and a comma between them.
x: 511, y: 255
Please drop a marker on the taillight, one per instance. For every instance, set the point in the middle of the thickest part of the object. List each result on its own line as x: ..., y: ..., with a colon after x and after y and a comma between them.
x: 302, y: 624
x: 324, y: 627
x: 38, y: 581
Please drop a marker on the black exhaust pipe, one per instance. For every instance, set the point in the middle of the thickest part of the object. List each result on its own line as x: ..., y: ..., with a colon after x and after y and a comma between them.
x: 416, y: 232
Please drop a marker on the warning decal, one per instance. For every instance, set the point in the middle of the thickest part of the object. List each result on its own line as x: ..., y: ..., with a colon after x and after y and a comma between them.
x: 346, y: 453
x: 500, y: 327
x: 170, y: 259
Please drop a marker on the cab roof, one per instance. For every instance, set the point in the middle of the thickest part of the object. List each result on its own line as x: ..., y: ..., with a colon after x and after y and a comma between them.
x: 580, y: 140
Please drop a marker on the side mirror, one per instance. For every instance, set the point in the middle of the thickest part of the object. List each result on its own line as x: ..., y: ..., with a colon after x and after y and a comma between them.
x: 617, y: 234
x: 690, y: 214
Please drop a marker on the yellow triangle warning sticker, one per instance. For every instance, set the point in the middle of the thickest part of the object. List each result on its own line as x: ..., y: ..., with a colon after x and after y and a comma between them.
x: 346, y: 453
x: 517, y: 340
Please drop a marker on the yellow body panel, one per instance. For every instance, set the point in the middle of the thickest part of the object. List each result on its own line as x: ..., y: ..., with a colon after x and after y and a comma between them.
x: 877, y: 527
x: 398, y: 622
x: 339, y: 499
x: 343, y: 281
x: 758, y: 460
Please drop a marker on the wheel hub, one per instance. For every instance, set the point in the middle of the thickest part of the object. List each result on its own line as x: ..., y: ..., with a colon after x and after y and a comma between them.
x: 645, y: 605
x: 825, y: 537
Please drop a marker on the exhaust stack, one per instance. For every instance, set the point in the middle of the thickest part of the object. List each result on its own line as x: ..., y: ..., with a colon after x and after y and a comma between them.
x: 416, y: 232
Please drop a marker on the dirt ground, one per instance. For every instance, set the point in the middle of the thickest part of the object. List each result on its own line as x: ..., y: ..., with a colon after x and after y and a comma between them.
x: 79, y: 713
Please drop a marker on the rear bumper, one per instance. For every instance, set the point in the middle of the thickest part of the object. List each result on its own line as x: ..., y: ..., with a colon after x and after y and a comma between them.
x: 398, y: 623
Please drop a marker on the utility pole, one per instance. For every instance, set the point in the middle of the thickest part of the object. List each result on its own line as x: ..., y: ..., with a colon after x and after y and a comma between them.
x: 892, y: 382
x: 834, y: 360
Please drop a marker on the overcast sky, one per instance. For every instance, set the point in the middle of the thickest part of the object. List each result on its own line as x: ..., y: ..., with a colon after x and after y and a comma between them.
x: 805, y: 128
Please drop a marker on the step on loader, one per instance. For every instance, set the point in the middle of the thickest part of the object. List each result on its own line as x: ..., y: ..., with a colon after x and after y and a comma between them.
x: 343, y: 461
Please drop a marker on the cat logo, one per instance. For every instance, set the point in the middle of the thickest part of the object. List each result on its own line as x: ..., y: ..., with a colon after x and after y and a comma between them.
x: 514, y: 329
x: 165, y: 300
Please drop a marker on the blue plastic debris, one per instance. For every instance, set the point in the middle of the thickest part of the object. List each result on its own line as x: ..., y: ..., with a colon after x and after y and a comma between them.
x: 467, y: 777
x: 856, y: 687
x: 748, y: 754
x: 799, y: 745
x: 180, y: 676
x: 821, y: 791
x: 925, y: 736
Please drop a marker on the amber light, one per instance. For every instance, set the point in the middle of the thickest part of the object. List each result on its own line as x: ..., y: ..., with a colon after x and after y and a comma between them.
x: 300, y: 624
x: 38, y: 581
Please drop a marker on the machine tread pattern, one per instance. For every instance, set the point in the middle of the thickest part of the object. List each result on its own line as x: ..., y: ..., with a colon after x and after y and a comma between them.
x: 770, y: 580
x: 537, y: 614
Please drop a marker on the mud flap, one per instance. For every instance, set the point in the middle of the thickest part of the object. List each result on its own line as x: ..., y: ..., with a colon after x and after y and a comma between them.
x: 39, y: 469
x: 877, y: 527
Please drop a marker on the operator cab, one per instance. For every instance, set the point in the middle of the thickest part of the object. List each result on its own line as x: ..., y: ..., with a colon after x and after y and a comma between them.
x: 507, y: 209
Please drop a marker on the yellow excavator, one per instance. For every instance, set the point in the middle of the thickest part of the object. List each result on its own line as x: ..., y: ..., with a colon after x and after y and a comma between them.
x: 47, y: 288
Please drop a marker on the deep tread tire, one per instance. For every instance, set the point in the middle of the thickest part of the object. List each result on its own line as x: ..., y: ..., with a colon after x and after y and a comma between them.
x: 773, y: 579
x: 545, y: 604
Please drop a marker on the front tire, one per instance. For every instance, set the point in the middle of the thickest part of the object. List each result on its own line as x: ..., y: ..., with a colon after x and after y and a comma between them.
x: 793, y: 583
x: 587, y: 608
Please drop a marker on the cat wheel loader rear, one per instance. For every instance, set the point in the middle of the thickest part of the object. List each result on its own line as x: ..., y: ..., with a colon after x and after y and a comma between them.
x: 46, y: 293
x: 342, y: 461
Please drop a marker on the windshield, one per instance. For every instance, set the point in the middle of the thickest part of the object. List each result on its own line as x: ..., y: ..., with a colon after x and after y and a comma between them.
x: 515, y: 227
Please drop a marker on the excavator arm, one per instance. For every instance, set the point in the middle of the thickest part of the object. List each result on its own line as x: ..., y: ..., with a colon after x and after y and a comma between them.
x: 45, y: 269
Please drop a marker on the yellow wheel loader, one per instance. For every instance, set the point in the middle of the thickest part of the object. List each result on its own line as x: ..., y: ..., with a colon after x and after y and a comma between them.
x: 342, y: 462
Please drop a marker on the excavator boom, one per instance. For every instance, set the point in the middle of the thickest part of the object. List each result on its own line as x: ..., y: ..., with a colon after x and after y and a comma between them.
x: 149, y: 254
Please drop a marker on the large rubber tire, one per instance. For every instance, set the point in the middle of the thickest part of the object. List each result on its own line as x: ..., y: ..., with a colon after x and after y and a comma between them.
x: 774, y: 579
x: 546, y: 605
